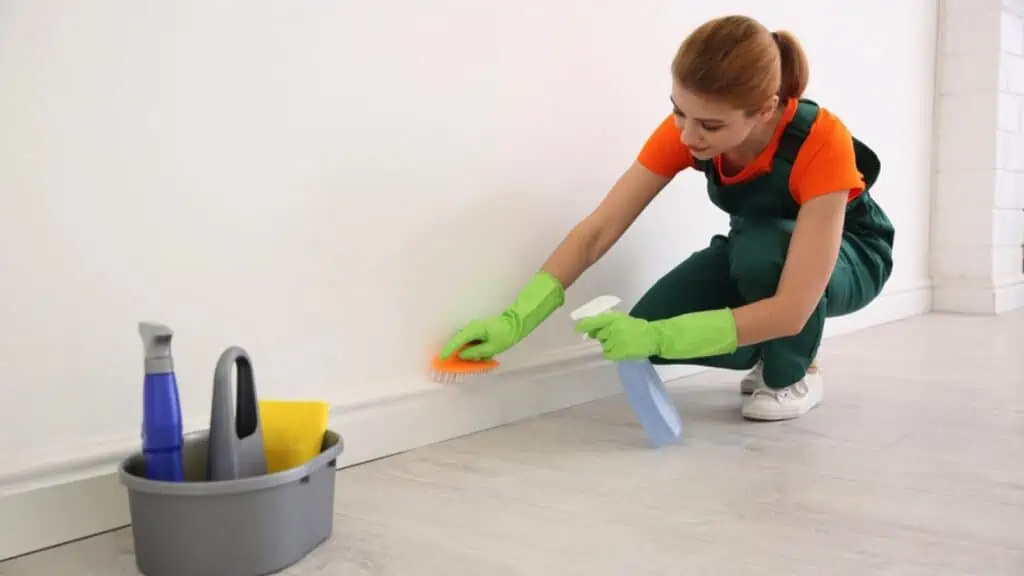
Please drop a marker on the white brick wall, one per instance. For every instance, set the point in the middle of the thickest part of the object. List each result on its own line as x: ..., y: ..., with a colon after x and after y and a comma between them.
x: 1007, y: 206
x: 977, y: 216
x: 1010, y: 33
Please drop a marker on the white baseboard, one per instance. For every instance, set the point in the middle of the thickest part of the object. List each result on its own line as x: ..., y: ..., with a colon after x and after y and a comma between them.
x: 1009, y: 298
x: 891, y: 305
x: 81, y: 496
x: 966, y: 297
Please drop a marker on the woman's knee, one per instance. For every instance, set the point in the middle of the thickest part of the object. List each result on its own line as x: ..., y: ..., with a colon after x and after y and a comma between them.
x: 701, y: 282
x: 647, y: 308
x: 658, y: 303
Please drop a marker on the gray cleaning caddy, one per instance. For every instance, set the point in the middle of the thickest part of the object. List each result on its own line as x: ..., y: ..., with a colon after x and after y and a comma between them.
x: 244, y: 523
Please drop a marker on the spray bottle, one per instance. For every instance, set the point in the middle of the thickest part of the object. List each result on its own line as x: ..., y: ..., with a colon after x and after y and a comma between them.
x: 161, y: 415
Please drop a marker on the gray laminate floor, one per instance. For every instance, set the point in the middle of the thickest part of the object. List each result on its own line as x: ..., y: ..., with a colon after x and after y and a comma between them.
x: 914, y: 465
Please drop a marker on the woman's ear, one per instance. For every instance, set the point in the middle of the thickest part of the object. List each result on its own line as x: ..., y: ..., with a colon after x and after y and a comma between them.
x: 767, y: 109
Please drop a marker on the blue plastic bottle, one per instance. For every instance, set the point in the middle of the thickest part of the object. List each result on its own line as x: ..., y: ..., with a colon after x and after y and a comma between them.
x: 161, y: 412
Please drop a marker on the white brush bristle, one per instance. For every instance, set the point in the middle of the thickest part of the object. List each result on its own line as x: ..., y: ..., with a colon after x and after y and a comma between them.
x: 447, y: 377
x: 455, y: 377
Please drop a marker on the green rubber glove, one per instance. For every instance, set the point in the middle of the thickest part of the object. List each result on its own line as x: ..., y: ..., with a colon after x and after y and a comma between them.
x: 693, y: 335
x: 541, y: 296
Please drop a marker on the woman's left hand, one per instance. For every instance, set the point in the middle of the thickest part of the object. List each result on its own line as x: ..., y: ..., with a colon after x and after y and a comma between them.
x: 692, y: 335
x: 622, y: 336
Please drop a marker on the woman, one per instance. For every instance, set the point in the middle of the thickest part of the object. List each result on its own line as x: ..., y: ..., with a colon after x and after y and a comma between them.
x: 806, y: 241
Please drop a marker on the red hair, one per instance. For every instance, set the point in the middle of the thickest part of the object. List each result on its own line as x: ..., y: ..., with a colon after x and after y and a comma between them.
x: 737, y: 60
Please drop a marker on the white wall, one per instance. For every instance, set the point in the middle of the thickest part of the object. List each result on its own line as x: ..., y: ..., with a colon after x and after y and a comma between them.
x: 979, y: 197
x: 336, y: 186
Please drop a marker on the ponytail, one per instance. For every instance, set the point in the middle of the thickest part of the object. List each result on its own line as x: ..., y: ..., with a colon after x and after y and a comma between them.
x: 795, y: 68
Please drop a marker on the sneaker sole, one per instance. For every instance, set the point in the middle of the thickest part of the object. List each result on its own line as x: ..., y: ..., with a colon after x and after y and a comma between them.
x: 775, y: 416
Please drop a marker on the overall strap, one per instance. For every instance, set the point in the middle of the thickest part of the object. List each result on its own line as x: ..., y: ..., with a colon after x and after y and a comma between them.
x: 789, y: 145
x: 796, y: 132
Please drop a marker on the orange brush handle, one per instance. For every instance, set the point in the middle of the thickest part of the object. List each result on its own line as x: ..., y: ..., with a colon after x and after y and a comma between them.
x: 454, y: 364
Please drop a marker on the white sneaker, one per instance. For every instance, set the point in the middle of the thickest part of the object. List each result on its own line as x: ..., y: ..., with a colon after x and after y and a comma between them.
x: 753, y: 380
x: 793, y: 401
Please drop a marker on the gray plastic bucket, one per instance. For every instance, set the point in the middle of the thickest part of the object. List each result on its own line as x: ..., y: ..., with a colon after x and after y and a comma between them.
x: 248, y: 527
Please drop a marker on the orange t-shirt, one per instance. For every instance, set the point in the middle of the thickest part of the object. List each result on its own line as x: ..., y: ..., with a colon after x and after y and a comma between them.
x: 826, y: 162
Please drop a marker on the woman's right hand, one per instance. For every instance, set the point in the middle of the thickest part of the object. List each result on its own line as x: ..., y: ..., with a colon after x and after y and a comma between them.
x: 483, y: 338
x: 490, y: 336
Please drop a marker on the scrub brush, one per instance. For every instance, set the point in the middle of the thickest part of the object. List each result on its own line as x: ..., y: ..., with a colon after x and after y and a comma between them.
x: 455, y: 370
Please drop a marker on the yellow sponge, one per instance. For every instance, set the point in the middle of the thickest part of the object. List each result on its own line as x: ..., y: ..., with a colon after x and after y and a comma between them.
x: 293, y: 431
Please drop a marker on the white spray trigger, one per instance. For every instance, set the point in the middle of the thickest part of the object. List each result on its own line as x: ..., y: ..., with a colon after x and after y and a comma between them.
x: 594, y: 307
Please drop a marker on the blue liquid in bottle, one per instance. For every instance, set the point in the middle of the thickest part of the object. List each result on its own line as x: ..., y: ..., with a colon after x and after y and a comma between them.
x: 161, y: 428
x: 161, y: 411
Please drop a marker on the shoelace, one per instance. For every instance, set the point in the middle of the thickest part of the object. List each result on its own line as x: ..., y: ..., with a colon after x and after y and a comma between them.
x: 778, y: 395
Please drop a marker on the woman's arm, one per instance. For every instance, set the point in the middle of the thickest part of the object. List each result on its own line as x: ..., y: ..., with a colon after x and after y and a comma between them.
x: 592, y: 237
x: 544, y: 293
x: 812, y: 255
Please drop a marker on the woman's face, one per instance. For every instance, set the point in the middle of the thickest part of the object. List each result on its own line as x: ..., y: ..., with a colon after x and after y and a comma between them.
x: 710, y: 128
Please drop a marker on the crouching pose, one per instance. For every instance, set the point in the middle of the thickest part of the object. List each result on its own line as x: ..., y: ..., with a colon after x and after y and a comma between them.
x: 806, y: 240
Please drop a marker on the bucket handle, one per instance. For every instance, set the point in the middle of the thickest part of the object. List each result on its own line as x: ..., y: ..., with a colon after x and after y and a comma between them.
x: 236, y: 437
x: 245, y: 416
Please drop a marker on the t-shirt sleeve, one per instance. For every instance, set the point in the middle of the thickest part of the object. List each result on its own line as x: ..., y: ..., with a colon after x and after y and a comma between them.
x: 826, y: 162
x: 664, y: 153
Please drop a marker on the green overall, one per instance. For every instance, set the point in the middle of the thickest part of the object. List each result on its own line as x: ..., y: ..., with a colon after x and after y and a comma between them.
x: 745, y: 265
